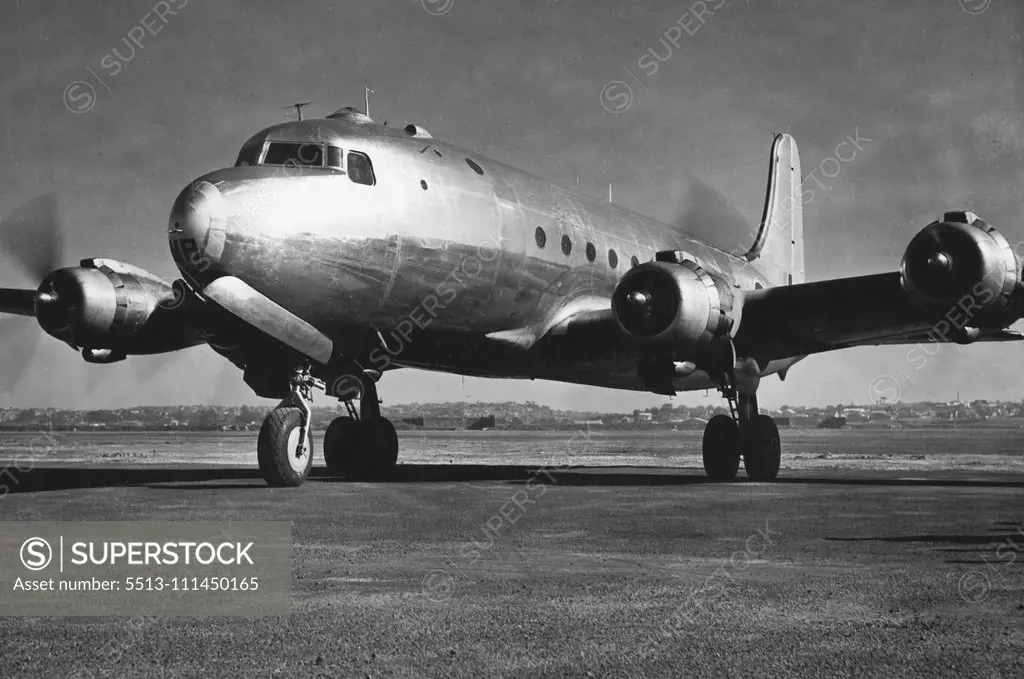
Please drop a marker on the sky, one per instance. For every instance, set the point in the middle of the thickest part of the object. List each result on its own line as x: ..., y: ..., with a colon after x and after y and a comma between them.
x: 933, y: 89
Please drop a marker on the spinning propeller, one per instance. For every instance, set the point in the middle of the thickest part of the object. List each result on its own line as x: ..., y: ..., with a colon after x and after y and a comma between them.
x: 106, y: 309
x: 705, y: 214
x: 708, y: 215
x: 30, y: 235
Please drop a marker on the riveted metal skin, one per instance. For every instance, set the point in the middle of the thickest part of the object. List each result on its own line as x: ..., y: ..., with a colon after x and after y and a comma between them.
x: 452, y: 277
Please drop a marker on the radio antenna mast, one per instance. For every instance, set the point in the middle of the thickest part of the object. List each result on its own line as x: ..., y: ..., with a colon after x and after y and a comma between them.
x: 366, y: 99
x: 298, y: 108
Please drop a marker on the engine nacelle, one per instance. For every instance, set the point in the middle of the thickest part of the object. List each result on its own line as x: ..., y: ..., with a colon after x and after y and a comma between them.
x: 964, y: 266
x: 674, y: 307
x: 109, y: 309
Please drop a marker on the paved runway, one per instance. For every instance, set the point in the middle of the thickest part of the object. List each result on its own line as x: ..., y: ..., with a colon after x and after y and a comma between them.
x: 589, y: 572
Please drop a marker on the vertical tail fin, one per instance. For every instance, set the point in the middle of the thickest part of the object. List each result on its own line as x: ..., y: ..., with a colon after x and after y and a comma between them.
x: 779, y: 247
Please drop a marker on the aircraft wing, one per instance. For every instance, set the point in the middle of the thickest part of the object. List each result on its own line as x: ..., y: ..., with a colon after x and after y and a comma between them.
x: 866, y: 310
x: 987, y: 335
x: 795, y: 320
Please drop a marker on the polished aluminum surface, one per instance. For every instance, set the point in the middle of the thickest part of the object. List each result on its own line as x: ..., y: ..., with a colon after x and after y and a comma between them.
x: 438, y: 265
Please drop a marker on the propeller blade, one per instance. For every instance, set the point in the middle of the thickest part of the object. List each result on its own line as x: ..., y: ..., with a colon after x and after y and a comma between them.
x: 17, y: 301
x: 18, y: 338
x: 708, y: 215
x: 31, y: 235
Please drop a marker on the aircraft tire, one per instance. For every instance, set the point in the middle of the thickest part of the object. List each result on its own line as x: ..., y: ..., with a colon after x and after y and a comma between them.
x: 763, y: 450
x: 276, y: 451
x: 344, y: 448
x: 381, y: 442
x: 721, y: 448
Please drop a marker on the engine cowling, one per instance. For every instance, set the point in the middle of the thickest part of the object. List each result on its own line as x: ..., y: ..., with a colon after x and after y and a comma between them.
x: 964, y: 266
x: 676, y: 307
x: 110, y: 309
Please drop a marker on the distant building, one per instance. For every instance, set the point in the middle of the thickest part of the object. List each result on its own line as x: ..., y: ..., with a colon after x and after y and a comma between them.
x: 834, y: 422
x: 485, y: 422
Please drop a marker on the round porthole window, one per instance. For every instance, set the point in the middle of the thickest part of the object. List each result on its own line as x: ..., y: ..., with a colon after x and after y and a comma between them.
x: 423, y: 184
x: 476, y: 166
x: 634, y: 261
x: 613, y: 259
x: 591, y: 252
x: 566, y: 245
x: 540, y: 237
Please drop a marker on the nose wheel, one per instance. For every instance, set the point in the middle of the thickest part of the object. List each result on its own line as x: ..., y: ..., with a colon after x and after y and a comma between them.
x: 743, y: 434
x: 285, y: 448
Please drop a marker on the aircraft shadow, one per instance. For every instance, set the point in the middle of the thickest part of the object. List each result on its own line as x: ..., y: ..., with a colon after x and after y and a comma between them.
x: 937, y: 539
x: 1010, y: 542
x: 229, y: 478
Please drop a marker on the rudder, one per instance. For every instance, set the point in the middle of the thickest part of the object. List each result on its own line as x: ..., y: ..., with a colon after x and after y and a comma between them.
x: 779, y: 246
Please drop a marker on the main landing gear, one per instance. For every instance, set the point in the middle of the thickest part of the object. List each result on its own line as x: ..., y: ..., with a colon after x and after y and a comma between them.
x: 744, y: 434
x: 360, y: 446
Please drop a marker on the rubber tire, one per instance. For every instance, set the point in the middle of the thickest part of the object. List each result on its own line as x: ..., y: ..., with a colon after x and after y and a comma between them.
x: 721, y: 448
x: 344, y: 450
x: 763, y: 450
x: 272, y: 448
x: 381, y: 441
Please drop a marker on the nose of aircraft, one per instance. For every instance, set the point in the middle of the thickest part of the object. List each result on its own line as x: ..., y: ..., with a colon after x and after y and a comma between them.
x: 196, y: 228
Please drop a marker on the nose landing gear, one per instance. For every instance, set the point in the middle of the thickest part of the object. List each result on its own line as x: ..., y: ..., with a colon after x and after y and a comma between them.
x: 285, y: 447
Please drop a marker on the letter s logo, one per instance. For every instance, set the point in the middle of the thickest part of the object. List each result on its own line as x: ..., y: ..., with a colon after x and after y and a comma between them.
x: 36, y: 554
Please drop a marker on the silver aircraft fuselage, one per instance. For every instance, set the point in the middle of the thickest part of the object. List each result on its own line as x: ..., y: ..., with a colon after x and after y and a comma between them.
x: 450, y: 261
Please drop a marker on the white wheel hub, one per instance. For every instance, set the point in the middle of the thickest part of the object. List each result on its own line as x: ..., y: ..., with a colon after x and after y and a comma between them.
x: 296, y: 454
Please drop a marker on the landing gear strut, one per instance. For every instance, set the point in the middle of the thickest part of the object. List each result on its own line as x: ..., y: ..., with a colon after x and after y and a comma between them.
x: 285, y: 447
x: 745, y: 434
x: 363, y: 444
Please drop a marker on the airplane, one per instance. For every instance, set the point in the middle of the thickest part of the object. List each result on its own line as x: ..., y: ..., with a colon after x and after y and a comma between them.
x: 336, y: 250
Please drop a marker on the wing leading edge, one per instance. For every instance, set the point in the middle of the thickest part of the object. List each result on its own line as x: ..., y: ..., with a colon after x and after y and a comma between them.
x: 812, y: 318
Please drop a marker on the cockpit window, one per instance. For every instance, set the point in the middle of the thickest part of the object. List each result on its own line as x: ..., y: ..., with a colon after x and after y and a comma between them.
x: 294, y: 154
x: 250, y: 154
x: 360, y: 170
x: 335, y: 157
